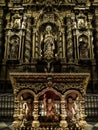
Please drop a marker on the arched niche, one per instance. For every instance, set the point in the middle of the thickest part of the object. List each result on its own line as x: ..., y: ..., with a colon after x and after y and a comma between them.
x: 25, y: 98
x: 49, y: 107
x: 84, y: 51
x: 25, y: 94
x: 13, y: 48
x: 49, y: 40
x: 43, y: 19
x: 74, y: 107
x: 50, y: 43
x: 74, y: 93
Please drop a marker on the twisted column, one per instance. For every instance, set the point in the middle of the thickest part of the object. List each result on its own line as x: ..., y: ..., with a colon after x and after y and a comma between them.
x: 91, y: 37
x: 69, y: 41
x: 96, y: 37
x: 37, y: 50
x: 33, y: 44
x: 74, y: 28
x: 64, y: 52
x: 1, y: 28
x: 28, y: 42
x: 60, y: 45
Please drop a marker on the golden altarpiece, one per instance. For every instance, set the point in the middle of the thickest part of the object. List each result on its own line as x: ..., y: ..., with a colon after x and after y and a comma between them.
x: 44, y: 42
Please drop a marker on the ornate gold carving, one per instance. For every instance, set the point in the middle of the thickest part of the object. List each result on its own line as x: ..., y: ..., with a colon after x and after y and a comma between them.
x: 35, y: 122
x: 69, y: 41
x: 59, y: 2
x: 28, y: 42
x: 68, y: 79
x: 37, y: 84
x: 63, y: 122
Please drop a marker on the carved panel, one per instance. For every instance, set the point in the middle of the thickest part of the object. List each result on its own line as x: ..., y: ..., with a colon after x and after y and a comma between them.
x: 55, y: 1
x: 60, y: 82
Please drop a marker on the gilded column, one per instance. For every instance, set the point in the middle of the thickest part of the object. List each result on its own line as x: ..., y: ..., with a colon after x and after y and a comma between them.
x: 82, y: 122
x: 16, y: 123
x: 64, y: 47
x: 96, y: 37
x: 63, y: 122
x: 35, y: 123
x: 60, y: 46
x: 69, y: 40
x: 37, y: 45
x: 74, y: 27
x: 28, y: 42
x: 94, y: 74
x: 91, y: 36
x: 33, y: 49
x: 1, y: 28
x: 33, y: 43
x: 23, y: 27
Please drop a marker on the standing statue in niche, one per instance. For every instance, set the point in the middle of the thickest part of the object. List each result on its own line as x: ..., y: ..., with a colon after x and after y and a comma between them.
x: 83, y: 50
x: 28, y: 108
x: 27, y: 112
x: 50, y: 109
x: 74, y: 110
x: 71, y: 109
x: 14, y: 48
x: 48, y: 44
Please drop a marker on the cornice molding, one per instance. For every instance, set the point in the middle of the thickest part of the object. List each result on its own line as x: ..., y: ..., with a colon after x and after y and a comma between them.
x: 59, y: 81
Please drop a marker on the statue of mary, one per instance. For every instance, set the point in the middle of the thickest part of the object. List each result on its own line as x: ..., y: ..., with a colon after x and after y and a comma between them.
x: 48, y: 44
